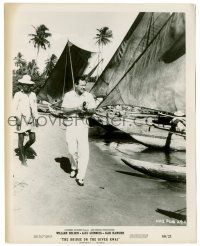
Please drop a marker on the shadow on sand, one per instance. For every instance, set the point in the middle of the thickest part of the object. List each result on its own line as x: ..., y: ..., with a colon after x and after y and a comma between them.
x: 64, y: 164
x: 136, y: 175
x: 175, y: 215
x: 30, y: 153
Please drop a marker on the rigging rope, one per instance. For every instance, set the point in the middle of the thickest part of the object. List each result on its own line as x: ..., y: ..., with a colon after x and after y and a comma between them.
x: 71, y: 65
x: 64, y: 74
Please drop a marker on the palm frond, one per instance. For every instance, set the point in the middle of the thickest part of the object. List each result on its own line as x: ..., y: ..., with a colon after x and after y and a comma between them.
x: 39, y: 38
x: 103, y: 36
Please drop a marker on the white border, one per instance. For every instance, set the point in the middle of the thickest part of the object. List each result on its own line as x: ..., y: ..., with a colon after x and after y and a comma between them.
x: 2, y: 238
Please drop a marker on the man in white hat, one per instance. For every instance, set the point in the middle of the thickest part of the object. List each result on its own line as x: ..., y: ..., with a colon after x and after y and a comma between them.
x: 178, y: 123
x: 26, y: 114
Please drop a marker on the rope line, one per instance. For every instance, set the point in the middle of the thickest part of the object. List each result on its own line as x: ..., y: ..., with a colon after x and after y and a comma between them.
x: 64, y: 75
x: 71, y: 65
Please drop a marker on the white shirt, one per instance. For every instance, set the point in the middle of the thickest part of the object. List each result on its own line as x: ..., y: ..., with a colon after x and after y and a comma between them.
x: 73, y: 100
x: 25, y: 105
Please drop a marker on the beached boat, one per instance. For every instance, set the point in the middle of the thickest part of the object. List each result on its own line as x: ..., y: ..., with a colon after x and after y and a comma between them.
x: 44, y: 108
x: 149, y: 127
x: 56, y: 112
x: 166, y: 140
x: 132, y: 119
x: 141, y: 73
x: 162, y: 171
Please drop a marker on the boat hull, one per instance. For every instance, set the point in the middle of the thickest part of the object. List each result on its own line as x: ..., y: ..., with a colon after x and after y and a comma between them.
x: 43, y: 108
x: 162, y: 171
x: 142, y: 128
x: 56, y: 112
x: 166, y: 140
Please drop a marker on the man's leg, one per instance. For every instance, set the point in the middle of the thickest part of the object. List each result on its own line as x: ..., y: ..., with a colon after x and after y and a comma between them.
x: 21, y: 148
x: 31, y: 140
x: 83, y: 152
x: 72, y: 148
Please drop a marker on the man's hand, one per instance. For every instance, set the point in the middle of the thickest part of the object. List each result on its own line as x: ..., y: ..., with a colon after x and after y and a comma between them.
x: 87, y: 112
x: 80, y: 109
x: 18, y: 128
x: 69, y: 111
x: 18, y: 123
x: 81, y: 112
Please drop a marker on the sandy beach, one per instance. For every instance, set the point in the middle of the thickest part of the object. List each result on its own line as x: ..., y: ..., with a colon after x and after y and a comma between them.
x: 113, y: 195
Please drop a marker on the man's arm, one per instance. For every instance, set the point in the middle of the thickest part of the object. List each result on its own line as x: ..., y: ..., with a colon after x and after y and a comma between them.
x: 69, y: 111
x: 16, y: 100
x: 78, y: 110
x: 90, y: 106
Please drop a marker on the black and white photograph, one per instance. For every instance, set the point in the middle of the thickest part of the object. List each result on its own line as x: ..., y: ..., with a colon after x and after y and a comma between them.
x: 100, y: 111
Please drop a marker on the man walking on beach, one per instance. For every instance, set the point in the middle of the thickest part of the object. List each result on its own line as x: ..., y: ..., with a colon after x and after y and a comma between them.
x: 25, y: 112
x: 78, y: 104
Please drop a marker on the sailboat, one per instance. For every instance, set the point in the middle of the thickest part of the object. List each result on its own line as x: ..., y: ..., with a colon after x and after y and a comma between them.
x: 143, y: 85
x: 73, y: 63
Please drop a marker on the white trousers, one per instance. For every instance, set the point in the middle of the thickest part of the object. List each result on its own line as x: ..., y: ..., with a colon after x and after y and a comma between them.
x: 78, y: 147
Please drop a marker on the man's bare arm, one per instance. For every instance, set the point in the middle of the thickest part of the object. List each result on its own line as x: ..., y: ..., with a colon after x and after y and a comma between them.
x: 70, y: 111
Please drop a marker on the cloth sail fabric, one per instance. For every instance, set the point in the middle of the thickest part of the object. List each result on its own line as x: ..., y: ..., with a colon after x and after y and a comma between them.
x: 71, y: 65
x: 151, y: 76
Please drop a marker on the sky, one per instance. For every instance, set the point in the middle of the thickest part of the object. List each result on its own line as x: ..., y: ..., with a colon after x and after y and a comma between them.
x: 67, y: 23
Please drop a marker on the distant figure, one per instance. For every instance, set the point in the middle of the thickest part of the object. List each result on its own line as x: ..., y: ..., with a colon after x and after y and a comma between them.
x: 178, y: 122
x: 78, y: 104
x: 25, y: 112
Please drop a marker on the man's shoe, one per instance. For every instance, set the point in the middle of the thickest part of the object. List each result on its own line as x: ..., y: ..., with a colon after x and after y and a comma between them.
x: 80, y: 182
x: 73, y: 173
x: 30, y: 151
x: 17, y: 151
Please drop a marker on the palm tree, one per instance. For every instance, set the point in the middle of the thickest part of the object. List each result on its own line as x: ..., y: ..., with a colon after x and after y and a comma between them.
x: 21, y: 65
x: 32, y: 68
x: 50, y: 64
x: 103, y: 37
x: 39, y: 38
x: 19, y: 60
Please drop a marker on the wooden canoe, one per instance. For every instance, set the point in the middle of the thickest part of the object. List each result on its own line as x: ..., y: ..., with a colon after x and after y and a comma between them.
x: 134, y: 119
x: 56, y: 112
x: 162, y: 171
x: 43, y: 108
x: 166, y: 140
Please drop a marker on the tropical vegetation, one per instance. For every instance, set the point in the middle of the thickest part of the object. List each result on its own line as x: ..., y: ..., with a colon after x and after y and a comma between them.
x: 103, y: 37
x: 40, y: 41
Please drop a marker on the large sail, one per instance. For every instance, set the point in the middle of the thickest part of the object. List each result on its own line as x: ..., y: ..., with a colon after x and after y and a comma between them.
x: 140, y: 34
x: 156, y: 78
x: 73, y: 63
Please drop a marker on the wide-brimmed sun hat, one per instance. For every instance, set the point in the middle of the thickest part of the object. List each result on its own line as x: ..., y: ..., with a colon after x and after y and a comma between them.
x: 26, y: 79
x: 179, y: 113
